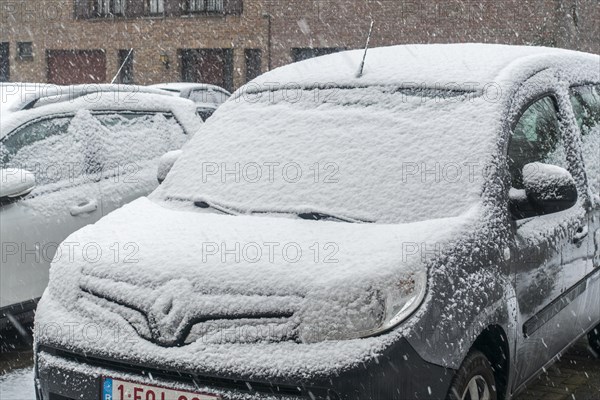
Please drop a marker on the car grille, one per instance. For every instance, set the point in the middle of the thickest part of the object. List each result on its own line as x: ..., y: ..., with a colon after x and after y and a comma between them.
x: 212, y: 319
x: 226, y: 384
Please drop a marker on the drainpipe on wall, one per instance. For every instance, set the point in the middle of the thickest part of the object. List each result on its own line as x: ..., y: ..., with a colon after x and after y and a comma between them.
x: 269, y: 19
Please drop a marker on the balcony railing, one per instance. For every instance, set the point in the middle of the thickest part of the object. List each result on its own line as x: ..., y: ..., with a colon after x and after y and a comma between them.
x: 99, y: 9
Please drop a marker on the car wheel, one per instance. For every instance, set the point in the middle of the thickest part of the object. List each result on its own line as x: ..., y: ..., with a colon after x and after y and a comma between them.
x: 474, y: 380
x: 594, y: 339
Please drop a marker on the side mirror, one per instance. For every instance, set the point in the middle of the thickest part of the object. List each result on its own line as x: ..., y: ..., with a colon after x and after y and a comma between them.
x: 166, y: 163
x: 548, y: 189
x: 15, y: 183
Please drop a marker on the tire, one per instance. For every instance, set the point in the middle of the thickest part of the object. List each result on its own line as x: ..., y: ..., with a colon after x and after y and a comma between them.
x: 474, y: 380
x: 594, y: 339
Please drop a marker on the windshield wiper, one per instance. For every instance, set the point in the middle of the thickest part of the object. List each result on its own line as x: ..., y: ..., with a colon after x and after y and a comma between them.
x: 319, y: 216
x: 315, y: 216
x: 205, y: 204
x: 309, y: 215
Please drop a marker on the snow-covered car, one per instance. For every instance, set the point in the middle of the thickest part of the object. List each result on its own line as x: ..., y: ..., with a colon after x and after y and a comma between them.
x: 64, y: 164
x: 425, y: 229
x: 17, y: 96
x: 207, y: 97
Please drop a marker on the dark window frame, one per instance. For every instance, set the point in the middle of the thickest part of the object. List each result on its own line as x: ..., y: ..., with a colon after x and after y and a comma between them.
x: 205, y: 9
x: 253, y: 63
x: 158, y: 12
x: 25, y: 50
x: 189, y: 55
x: 4, y: 62
x: 111, y: 11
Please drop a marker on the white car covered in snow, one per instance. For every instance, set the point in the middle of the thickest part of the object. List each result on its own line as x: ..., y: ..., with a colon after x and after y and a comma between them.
x: 18, y: 96
x: 207, y: 97
x: 428, y: 229
x: 15, y: 95
x: 67, y: 161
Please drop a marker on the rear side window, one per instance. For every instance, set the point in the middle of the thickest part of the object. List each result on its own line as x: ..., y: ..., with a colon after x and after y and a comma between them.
x: 208, y: 96
x: 535, y: 138
x: 586, y: 106
x: 136, y: 138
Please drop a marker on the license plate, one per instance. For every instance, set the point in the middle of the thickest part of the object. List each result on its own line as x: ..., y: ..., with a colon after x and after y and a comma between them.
x: 114, y: 389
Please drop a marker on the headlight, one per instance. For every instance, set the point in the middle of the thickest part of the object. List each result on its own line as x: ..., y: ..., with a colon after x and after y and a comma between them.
x: 354, y: 314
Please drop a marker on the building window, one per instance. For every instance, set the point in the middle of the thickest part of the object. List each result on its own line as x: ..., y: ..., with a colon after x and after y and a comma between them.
x: 106, y: 8
x: 299, y: 54
x: 156, y: 6
x: 253, y: 63
x: 212, y: 66
x: 126, y: 67
x: 25, y: 50
x: 207, y: 6
x: 4, y: 62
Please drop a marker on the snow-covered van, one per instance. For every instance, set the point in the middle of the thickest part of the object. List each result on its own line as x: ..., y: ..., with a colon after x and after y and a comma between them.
x: 68, y: 156
x: 425, y: 229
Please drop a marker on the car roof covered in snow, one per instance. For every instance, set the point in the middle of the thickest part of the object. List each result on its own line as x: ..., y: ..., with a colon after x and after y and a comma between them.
x: 13, y: 95
x: 21, y: 96
x: 183, y: 109
x: 181, y: 86
x: 425, y: 65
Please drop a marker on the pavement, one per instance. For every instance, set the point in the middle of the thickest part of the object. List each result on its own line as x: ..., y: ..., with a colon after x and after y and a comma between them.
x: 576, y: 376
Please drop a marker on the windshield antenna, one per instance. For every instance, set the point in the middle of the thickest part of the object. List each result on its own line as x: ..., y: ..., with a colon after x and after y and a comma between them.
x: 362, y: 63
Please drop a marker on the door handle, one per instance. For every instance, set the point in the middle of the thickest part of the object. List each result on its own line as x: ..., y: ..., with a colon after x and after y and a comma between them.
x: 84, y: 208
x: 581, y: 233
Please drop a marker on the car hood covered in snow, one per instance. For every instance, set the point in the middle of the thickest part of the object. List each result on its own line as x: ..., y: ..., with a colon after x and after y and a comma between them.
x: 184, y: 276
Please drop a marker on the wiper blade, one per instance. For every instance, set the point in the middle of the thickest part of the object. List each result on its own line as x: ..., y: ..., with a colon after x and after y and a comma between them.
x: 308, y: 215
x: 205, y: 204
x: 315, y: 216
x: 319, y: 216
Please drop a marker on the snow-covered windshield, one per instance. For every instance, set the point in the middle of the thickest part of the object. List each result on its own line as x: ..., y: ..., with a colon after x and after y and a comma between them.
x: 376, y: 154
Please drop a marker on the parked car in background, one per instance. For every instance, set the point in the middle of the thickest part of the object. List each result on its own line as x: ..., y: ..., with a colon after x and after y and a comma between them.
x: 17, y: 96
x: 425, y: 229
x: 67, y: 162
x: 207, y: 97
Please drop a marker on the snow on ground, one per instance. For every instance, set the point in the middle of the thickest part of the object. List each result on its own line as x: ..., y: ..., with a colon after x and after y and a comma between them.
x: 17, y: 385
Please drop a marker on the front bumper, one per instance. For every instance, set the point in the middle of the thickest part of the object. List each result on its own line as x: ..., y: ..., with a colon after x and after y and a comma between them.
x: 399, y: 374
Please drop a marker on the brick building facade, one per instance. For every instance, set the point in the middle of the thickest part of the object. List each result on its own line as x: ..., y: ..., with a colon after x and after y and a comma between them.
x: 227, y: 42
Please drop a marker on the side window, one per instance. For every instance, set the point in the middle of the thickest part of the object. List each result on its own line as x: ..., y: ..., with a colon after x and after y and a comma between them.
x: 203, y: 96
x: 128, y: 139
x: 208, y: 96
x: 221, y: 97
x: 535, y: 138
x: 45, y: 148
x: 586, y: 105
